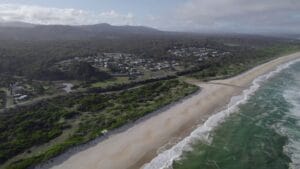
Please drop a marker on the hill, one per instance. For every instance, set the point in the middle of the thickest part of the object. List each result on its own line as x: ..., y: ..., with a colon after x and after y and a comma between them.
x: 27, y: 32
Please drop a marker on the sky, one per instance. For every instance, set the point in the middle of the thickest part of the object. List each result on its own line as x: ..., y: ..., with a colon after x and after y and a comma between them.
x: 240, y: 16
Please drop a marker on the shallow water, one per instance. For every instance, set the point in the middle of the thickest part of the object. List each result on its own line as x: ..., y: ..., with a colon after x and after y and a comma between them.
x: 263, y: 134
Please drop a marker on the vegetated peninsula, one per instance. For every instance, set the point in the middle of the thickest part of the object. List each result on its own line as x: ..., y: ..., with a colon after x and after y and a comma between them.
x: 64, y: 86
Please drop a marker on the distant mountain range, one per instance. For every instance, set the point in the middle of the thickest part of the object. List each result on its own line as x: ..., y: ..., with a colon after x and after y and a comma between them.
x: 16, y: 24
x: 27, y: 31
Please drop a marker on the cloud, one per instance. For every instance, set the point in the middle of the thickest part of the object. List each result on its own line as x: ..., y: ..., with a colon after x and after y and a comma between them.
x: 69, y: 16
x: 249, y: 16
x: 241, y: 15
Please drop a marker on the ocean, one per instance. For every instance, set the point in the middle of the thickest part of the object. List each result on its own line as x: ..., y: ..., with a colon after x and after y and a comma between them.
x: 259, y: 130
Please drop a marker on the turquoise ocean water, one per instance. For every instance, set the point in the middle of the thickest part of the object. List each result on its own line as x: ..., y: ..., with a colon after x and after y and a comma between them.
x: 260, y: 130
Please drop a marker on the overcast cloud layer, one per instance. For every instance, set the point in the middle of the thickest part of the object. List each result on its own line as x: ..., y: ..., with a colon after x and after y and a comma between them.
x: 67, y: 16
x: 243, y: 15
x: 191, y: 15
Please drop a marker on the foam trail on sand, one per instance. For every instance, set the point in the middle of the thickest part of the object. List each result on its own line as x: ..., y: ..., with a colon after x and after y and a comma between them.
x: 166, y: 158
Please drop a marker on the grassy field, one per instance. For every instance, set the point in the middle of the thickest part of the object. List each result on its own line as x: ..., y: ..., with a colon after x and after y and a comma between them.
x: 78, y: 118
x: 114, y: 81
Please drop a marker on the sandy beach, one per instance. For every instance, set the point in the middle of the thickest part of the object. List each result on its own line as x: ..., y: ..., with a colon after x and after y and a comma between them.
x: 140, y: 143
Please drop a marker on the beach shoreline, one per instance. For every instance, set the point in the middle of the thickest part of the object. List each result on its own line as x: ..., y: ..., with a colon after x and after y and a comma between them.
x: 138, y: 144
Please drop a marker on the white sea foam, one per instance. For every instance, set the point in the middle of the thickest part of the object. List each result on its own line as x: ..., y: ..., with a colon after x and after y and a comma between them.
x: 292, y: 149
x: 165, y: 159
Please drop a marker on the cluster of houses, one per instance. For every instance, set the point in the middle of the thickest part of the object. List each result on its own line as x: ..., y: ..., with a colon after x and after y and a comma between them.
x: 121, y: 64
x: 200, y: 53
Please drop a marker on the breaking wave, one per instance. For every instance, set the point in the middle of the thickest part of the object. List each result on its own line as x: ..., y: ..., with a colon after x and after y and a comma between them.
x: 166, y: 158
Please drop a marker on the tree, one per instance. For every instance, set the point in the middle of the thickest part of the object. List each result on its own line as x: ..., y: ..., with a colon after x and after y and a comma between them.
x: 84, y: 71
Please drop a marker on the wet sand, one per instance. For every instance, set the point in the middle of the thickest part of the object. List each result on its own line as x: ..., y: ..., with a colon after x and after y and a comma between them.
x: 138, y: 144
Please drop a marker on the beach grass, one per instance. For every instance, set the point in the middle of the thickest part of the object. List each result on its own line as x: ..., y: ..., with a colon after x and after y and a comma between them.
x: 96, y: 113
x: 110, y: 82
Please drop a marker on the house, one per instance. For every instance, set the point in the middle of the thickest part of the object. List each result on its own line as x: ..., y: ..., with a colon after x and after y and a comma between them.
x: 21, y: 97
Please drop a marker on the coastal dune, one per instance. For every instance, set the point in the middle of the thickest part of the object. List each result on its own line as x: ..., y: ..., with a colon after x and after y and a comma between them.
x: 140, y: 143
